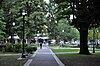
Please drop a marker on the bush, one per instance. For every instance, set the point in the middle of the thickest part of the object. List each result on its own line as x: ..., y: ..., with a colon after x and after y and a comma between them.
x: 30, y: 49
x: 17, y: 48
x: 98, y: 47
x: 3, y: 49
x: 9, y: 48
x: 13, y: 48
x: 65, y: 45
x: 2, y: 46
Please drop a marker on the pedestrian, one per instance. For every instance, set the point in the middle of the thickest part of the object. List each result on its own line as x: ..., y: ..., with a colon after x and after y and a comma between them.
x: 40, y: 45
x: 40, y: 41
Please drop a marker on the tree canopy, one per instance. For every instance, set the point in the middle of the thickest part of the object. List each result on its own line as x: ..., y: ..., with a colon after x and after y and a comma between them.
x: 41, y: 17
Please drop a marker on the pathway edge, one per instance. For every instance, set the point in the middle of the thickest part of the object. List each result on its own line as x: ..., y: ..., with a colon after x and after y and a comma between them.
x: 30, y: 60
x: 57, y: 59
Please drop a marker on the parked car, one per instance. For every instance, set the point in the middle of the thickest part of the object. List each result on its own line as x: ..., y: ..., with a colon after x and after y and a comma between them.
x: 52, y: 41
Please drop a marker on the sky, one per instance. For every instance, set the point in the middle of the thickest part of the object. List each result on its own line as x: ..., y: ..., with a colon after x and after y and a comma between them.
x: 47, y: 1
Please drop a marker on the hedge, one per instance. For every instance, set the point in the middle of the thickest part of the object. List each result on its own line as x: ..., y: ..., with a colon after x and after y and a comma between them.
x: 17, y: 48
x: 30, y: 49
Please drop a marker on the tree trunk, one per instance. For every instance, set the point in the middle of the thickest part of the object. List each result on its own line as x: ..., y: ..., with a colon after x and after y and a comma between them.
x: 83, y: 39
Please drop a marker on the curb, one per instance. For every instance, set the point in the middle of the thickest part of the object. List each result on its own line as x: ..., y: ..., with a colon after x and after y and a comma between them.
x: 30, y: 60
x: 57, y: 59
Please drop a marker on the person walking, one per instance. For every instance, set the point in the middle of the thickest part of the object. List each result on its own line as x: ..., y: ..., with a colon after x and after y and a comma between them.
x: 40, y: 41
x: 40, y: 45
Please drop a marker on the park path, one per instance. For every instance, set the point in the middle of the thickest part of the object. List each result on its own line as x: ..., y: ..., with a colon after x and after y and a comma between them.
x: 44, y: 57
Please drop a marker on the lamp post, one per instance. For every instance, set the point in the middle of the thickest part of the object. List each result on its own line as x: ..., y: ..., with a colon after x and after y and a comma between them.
x: 94, y: 40
x: 23, y: 51
x: 13, y: 23
x: 63, y: 34
x: 97, y: 37
x: 12, y: 32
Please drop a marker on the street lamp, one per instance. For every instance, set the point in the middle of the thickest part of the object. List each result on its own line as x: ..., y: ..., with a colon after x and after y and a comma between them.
x: 13, y: 23
x: 23, y: 14
x: 63, y: 34
x: 12, y: 32
x: 94, y: 40
x: 63, y: 31
x: 97, y: 37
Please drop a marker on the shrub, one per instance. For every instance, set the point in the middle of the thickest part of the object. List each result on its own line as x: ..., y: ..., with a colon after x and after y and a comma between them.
x: 3, y: 49
x: 98, y: 47
x: 34, y: 48
x: 13, y: 48
x: 30, y: 49
x: 17, y: 48
x: 9, y: 48
x: 2, y: 46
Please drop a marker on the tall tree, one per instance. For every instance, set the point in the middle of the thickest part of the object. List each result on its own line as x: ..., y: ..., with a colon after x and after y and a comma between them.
x: 9, y: 15
x: 66, y: 31
x: 2, y: 25
x: 51, y: 19
x: 85, y: 15
x: 33, y: 21
x: 1, y: 3
x: 83, y: 18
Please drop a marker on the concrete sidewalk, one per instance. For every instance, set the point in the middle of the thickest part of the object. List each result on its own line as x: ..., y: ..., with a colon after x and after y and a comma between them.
x: 44, y: 57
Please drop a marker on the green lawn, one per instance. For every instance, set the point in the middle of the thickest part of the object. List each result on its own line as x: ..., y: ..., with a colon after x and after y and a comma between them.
x: 75, y: 59
x: 65, y: 50
x: 11, y: 60
x: 79, y: 60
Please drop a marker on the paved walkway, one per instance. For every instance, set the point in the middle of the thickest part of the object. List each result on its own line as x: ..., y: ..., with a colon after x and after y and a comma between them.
x: 44, y: 57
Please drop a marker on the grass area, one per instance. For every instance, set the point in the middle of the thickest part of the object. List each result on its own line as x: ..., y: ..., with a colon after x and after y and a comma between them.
x: 76, y: 59
x: 65, y: 50
x: 11, y: 60
x: 97, y: 53
x: 80, y: 60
